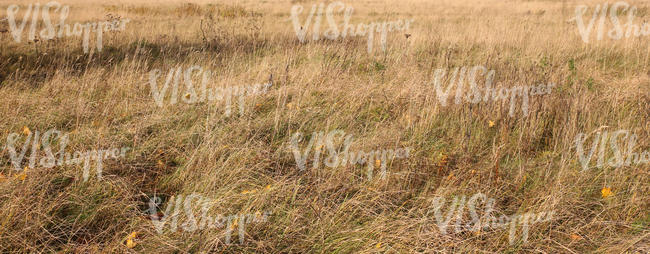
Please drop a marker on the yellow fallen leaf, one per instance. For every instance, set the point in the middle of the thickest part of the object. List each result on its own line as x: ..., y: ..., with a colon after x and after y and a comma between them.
x: 234, y: 223
x: 491, y: 123
x: 23, y: 175
x: 130, y: 243
x: 378, y: 245
x: 377, y: 163
x: 451, y: 176
x: 268, y: 187
x: 443, y: 159
x: 606, y: 192
x: 26, y: 131
x: 575, y: 237
x: 187, y: 96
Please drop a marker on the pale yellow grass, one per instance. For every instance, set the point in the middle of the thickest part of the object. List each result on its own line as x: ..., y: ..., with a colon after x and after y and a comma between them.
x: 528, y: 164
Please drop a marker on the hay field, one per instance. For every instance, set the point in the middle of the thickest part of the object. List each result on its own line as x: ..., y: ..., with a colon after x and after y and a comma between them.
x: 230, y: 153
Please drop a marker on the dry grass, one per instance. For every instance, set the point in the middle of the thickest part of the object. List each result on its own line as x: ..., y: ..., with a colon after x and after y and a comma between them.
x: 385, y: 100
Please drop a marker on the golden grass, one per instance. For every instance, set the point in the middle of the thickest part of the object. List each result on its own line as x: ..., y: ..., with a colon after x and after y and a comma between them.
x: 528, y: 164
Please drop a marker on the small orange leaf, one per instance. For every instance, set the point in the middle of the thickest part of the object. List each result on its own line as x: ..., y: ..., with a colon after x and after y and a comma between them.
x: 491, y: 124
x: 234, y: 223
x: 26, y: 131
x: 443, y: 160
x: 23, y: 175
x: 451, y: 176
x: 606, y: 192
x: 130, y: 243
x: 575, y: 237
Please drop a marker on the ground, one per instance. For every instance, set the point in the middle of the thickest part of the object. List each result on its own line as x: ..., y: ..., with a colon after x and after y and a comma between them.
x: 243, y: 165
